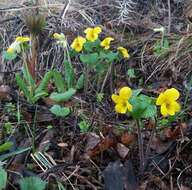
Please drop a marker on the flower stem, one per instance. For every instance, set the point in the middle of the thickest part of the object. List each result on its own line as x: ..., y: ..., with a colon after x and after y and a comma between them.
x: 140, y: 143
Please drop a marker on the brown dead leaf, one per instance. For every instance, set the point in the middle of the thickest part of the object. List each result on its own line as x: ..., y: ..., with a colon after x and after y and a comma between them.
x: 62, y: 145
x: 92, y: 140
x: 158, y: 145
x: 104, y: 144
x: 185, y: 188
x: 119, y: 176
x: 122, y: 150
x: 4, y: 92
x: 176, y: 132
x: 127, y: 138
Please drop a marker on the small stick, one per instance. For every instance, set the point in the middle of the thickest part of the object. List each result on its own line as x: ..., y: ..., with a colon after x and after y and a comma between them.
x: 141, y: 152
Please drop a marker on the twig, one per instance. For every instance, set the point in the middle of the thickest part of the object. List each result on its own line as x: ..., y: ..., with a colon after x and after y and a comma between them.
x: 169, y: 13
x: 140, y: 142
x: 178, y: 178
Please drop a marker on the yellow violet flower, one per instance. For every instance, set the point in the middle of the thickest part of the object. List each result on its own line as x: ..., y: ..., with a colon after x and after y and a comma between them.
x: 14, y: 47
x: 92, y: 34
x: 60, y: 39
x: 77, y: 43
x: 121, y: 100
x: 168, y: 102
x: 10, y: 50
x: 106, y: 42
x: 22, y: 39
x: 124, y: 52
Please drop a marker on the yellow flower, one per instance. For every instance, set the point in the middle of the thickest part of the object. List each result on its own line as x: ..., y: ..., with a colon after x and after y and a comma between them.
x: 168, y: 102
x: 77, y: 43
x: 60, y: 39
x: 121, y: 100
x: 22, y: 39
x: 106, y: 42
x: 92, y: 33
x: 10, y: 50
x: 124, y: 52
x: 14, y: 47
x: 60, y: 36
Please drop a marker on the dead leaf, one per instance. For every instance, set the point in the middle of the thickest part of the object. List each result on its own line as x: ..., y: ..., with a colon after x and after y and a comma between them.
x: 185, y: 188
x: 127, y: 138
x: 122, y: 150
x: 176, y: 132
x: 158, y: 145
x: 104, y: 144
x: 5, y: 92
x: 62, y: 145
x: 120, y: 177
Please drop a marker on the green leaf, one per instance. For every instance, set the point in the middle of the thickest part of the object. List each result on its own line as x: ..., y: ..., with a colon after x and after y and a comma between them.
x: 6, y: 146
x: 60, y: 111
x: 69, y: 74
x: 143, y: 107
x: 60, y: 97
x: 90, y: 59
x: 9, y: 56
x: 23, y: 86
x: 108, y: 56
x: 19, y: 151
x: 38, y: 96
x: 59, y: 81
x: 136, y: 92
x: 32, y: 183
x: 84, y: 126
x: 89, y: 46
x: 28, y: 77
x: 80, y: 82
x: 44, y: 82
x: 3, y: 179
x: 150, y: 111
x: 131, y: 73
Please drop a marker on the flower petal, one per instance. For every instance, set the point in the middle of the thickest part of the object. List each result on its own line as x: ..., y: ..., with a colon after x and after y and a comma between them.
x: 123, y: 51
x: 129, y: 107
x: 125, y: 93
x: 87, y: 30
x: 172, y: 93
x: 176, y: 106
x: 164, y: 111
x: 97, y: 30
x: 121, y: 108
x: 160, y: 100
x: 115, y: 98
x: 171, y: 110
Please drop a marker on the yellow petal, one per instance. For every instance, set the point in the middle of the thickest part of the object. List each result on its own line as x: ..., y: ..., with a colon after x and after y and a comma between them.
x: 176, y: 106
x: 77, y: 43
x: 22, y: 39
x: 57, y: 36
x: 10, y: 50
x: 171, y: 110
x: 106, y: 42
x: 124, y: 52
x: 164, y: 111
x: 172, y: 94
x: 125, y: 93
x: 121, y: 108
x: 97, y: 30
x: 87, y: 30
x: 129, y: 107
x: 115, y: 98
x: 160, y: 100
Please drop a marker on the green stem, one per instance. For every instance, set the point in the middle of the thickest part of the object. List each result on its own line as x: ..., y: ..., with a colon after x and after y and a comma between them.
x: 140, y: 144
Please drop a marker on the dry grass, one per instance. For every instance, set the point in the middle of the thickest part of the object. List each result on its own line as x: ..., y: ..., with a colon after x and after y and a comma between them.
x: 131, y: 24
